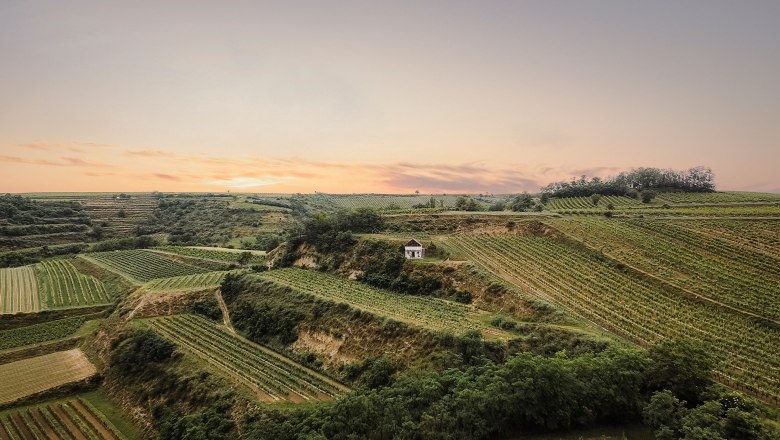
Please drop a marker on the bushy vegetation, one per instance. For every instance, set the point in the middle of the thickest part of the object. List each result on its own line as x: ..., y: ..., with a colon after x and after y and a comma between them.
x: 18, y: 210
x: 528, y: 393
x: 697, y: 179
x: 127, y: 243
x: 138, y: 351
x: 208, y: 307
x: 35, y: 255
x: 197, y: 221
x: 331, y: 233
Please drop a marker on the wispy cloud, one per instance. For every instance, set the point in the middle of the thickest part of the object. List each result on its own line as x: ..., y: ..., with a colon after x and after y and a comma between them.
x: 62, y: 162
x: 164, y: 176
x: 149, y: 153
x: 247, y: 182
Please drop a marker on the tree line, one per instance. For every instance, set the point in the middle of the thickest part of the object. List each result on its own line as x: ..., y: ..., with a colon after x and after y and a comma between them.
x: 696, y: 179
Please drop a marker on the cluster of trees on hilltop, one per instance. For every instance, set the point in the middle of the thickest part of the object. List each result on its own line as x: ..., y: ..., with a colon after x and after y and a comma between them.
x: 18, y: 210
x: 696, y: 179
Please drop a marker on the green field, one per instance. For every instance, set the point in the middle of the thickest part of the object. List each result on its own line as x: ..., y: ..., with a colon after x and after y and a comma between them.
x: 717, y: 197
x: 271, y: 375
x: 706, y: 265
x: 586, y: 203
x: 425, y: 311
x: 18, y: 290
x: 143, y: 265
x: 227, y: 255
x: 187, y: 282
x: 43, y: 332
x: 62, y: 286
x: 593, y: 288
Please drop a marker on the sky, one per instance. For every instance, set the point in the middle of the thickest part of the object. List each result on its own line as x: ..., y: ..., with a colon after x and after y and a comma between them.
x: 367, y: 96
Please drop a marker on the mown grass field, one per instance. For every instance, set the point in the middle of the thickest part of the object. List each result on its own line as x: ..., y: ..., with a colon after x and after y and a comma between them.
x: 424, y: 311
x: 272, y: 376
x: 34, y: 375
x: 594, y: 287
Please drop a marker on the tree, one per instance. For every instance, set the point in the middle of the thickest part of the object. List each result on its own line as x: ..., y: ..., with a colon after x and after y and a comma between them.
x: 681, y: 366
x: 522, y: 202
x: 140, y: 348
x: 595, y: 198
x: 648, y: 195
x: 96, y: 232
x: 244, y: 258
x: 663, y: 414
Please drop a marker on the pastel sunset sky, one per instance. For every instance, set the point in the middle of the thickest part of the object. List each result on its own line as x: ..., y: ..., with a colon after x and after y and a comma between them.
x: 396, y: 96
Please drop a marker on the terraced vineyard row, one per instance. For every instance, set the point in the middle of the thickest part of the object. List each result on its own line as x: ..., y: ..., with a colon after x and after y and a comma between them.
x: 717, y: 197
x: 143, y: 265
x: 33, y: 375
x: 45, y: 331
x: 72, y: 419
x: 62, y: 286
x: 709, y: 267
x: 586, y: 203
x: 761, y: 236
x: 228, y: 256
x: 433, y: 313
x: 203, y: 280
x: 18, y: 290
x: 273, y: 376
x: 768, y: 210
x: 640, y: 311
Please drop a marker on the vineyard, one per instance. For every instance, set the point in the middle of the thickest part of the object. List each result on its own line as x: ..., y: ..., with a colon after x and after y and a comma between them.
x: 227, y: 255
x: 617, y: 202
x: 143, y: 265
x: 717, y: 197
x: 62, y: 286
x: 594, y: 289
x: 762, y: 236
x: 71, y: 419
x: 433, y: 313
x: 34, y: 375
x: 18, y: 290
x: 45, y: 331
x: 188, y: 282
x: 272, y: 376
x: 117, y: 215
x: 708, y: 266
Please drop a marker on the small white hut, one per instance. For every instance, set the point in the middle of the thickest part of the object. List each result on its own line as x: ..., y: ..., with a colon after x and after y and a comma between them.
x: 414, y: 250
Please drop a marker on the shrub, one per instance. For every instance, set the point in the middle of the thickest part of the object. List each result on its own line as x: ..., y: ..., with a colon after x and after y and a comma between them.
x: 138, y: 350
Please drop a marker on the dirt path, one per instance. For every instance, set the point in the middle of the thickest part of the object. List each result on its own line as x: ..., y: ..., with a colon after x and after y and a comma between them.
x: 22, y: 427
x: 92, y: 420
x: 51, y: 434
x: 225, y: 312
x: 3, y: 433
x: 67, y: 422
